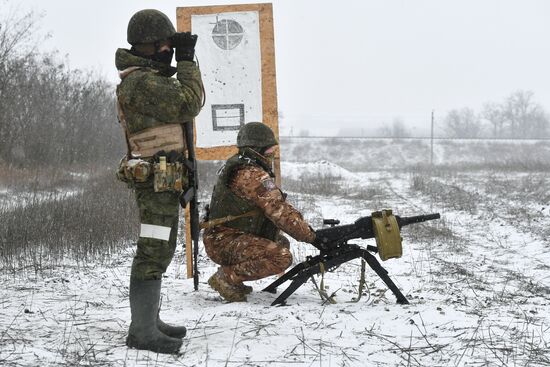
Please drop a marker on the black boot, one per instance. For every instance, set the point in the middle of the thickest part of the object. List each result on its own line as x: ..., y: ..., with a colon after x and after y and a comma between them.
x: 143, y: 332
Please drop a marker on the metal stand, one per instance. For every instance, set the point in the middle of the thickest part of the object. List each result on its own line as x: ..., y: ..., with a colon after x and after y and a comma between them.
x: 331, y: 260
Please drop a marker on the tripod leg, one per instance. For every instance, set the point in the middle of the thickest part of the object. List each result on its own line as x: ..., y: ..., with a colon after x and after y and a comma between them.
x: 383, y: 274
x: 296, y: 283
x: 272, y: 288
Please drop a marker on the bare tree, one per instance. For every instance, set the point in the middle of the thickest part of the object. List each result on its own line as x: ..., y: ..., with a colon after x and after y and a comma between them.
x: 524, y: 117
x: 17, y: 42
x: 50, y: 114
x: 397, y: 129
x: 17, y: 34
x: 463, y: 123
x: 494, y: 114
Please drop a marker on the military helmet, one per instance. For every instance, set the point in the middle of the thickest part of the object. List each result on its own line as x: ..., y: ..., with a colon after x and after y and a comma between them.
x: 255, y: 134
x: 149, y: 26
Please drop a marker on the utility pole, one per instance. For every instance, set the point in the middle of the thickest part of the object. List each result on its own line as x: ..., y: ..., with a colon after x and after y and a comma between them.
x: 432, y: 142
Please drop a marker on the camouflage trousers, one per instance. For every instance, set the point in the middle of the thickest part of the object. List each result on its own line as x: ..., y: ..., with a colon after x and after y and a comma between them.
x: 244, y: 256
x: 158, y: 213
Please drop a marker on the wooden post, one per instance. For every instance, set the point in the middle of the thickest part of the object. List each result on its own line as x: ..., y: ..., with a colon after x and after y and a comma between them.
x: 188, y: 243
x: 432, y: 141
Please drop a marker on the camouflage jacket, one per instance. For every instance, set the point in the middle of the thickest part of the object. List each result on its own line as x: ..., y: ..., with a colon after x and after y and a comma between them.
x: 149, y: 96
x: 245, y: 184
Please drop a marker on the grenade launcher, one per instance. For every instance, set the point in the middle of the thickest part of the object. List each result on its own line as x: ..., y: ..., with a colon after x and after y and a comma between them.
x: 332, y: 242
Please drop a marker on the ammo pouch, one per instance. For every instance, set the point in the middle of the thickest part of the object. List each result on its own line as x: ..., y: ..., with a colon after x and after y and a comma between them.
x: 169, y: 176
x: 134, y: 170
x: 166, y: 176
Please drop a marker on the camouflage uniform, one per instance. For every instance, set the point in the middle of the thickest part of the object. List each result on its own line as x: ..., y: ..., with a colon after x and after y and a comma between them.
x: 150, y: 97
x: 150, y: 100
x: 251, y: 248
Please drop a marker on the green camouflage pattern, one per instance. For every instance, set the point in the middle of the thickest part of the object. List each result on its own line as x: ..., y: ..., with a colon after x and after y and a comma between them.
x: 171, y: 178
x: 152, y: 255
x: 149, y: 26
x: 151, y: 97
x: 257, y: 135
x: 134, y: 170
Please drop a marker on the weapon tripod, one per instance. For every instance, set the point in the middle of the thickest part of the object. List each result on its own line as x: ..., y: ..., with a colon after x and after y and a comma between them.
x: 330, y: 260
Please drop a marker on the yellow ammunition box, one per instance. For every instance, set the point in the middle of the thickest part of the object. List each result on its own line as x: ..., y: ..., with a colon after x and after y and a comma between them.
x: 388, y: 237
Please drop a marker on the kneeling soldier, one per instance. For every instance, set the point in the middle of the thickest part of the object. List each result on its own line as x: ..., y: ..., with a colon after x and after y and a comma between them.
x: 247, y: 210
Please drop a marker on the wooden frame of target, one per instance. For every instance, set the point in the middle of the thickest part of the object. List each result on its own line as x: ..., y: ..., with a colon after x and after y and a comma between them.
x: 236, y: 52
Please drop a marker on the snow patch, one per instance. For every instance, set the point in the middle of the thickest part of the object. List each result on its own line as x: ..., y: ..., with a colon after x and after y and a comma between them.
x: 296, y: 170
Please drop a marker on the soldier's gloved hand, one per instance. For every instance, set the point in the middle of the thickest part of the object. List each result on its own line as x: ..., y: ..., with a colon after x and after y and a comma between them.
x: 315, y: 239
x: 184, y: 43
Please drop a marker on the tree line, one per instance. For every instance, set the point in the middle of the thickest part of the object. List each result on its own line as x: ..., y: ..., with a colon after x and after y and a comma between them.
x: 518, y: 116
x: 50, y: 114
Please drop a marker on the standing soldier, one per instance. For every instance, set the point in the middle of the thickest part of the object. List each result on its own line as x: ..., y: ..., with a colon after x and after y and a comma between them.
x: 153, y: 107
x: 247, y: 210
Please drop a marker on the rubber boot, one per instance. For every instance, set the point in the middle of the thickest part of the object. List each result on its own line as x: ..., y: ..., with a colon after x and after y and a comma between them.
x: 143, y: 332
x: 173, y: 331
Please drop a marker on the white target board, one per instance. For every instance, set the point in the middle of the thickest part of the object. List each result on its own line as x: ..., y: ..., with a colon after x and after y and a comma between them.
x: 229, y: 53
x: 236, y: 53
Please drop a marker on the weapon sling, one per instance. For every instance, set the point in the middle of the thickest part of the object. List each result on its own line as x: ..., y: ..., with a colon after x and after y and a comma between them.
x: 229, y: 218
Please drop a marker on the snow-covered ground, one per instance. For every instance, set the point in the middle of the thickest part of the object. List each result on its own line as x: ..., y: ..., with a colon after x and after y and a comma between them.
x: 478, y: 282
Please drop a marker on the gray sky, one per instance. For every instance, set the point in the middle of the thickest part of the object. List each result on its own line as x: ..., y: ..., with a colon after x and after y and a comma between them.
x: 354, y: 63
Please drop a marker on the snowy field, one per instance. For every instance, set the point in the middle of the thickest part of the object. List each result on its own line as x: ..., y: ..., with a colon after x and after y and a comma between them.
x: 478, y: 279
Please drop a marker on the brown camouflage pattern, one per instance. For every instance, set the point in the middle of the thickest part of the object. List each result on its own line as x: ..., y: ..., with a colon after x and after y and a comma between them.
x: 255, y: 185
x: 245, y: 257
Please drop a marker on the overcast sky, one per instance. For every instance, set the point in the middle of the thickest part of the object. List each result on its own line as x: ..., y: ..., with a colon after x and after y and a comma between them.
x: 354, y: 63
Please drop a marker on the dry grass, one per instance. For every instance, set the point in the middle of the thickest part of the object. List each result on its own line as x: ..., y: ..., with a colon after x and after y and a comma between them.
x: 65, y: 217
x: 450, y: 196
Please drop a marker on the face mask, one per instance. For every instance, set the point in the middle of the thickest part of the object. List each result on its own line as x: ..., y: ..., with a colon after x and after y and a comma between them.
x: 164, y: 57
x: 270, y: 156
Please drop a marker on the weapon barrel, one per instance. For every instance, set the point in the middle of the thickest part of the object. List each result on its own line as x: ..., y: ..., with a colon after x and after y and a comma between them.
x: 404, y: 221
